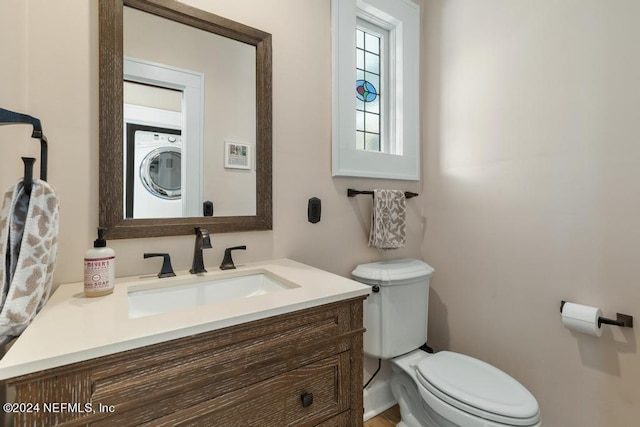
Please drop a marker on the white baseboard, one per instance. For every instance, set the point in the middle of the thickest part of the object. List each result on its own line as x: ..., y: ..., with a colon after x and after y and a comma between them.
x: 378, y: 398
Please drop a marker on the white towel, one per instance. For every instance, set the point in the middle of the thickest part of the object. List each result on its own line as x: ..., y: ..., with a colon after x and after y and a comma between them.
x: 28, y: 247
x: 388, y: 219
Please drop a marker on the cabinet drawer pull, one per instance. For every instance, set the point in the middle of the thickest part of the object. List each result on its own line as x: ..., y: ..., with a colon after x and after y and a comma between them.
x: 307, y: 399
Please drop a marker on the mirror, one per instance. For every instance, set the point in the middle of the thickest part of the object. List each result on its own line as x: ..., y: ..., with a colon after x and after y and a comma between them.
x: 207, y: 153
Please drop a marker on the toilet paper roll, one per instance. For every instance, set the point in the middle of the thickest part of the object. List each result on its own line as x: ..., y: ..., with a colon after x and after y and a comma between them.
x: 582, y: 318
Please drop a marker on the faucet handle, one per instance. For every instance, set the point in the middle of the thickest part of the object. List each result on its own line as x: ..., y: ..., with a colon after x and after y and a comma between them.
x: 227, y: 262
x: 167, y: 269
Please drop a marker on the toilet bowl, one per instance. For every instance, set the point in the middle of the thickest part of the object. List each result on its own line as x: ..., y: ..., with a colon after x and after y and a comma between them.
x: 433, y: 390
x: 451, y: 389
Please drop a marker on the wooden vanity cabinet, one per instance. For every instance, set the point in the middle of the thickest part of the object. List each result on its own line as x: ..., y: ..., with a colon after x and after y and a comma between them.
x: 297, y: 369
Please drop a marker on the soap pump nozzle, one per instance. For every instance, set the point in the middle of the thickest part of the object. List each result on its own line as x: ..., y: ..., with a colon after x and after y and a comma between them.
x: 100, y: 242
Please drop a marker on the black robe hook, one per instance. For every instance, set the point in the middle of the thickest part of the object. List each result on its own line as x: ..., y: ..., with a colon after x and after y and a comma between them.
x: 27, y: 180
x: 10, y: 118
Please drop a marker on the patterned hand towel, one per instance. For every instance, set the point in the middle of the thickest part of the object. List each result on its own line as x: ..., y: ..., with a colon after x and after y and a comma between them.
x: 28, y: 247
x: 388, y: 220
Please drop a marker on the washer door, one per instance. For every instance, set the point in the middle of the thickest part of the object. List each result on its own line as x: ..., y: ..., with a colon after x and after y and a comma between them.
x: 161, y: 171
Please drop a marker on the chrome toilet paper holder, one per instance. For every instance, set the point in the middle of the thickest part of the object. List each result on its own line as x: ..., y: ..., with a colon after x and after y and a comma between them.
x: 622, y: 320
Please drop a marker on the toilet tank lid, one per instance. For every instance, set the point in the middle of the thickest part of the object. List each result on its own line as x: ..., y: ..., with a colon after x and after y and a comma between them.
x: 392, y: 272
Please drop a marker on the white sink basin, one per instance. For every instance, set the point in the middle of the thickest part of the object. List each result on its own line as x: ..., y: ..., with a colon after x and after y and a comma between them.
x: 165, y: 295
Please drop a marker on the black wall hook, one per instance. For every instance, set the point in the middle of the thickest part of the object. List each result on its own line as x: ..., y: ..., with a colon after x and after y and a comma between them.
x: 11, y: 118
x: 27, y: 180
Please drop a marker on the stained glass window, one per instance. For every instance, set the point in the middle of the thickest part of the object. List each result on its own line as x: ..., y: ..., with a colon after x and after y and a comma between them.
x: 368, y: 91
x: 382, y: 37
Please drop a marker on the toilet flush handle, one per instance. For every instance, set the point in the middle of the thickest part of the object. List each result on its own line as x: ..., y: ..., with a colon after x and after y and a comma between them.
x: 375, y: 289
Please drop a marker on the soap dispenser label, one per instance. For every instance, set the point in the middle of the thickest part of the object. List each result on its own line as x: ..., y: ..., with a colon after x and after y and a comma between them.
x: 99, y: 274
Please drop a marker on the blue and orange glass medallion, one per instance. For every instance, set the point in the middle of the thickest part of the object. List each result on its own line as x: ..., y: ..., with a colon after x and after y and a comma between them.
x: 365, y: 91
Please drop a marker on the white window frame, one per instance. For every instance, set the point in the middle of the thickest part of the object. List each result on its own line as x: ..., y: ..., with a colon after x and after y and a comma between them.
x: 402, y: 19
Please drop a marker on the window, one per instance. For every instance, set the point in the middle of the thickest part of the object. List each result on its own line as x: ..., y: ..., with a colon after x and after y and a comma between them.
x: 376, y: 51
x: 371, y: 73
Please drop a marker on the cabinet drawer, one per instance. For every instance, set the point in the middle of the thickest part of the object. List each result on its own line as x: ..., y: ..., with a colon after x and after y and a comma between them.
x: 317, y: 391
x: 276, y: 402
x: 221, y: 358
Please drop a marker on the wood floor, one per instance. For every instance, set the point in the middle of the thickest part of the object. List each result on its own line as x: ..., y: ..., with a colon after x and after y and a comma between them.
x: 388, y: 418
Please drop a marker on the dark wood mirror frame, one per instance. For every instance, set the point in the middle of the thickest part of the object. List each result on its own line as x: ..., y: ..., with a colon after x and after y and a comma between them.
x: 111, y: 122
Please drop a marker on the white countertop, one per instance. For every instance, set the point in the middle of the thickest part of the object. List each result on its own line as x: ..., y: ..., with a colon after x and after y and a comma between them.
x: 72, y: 328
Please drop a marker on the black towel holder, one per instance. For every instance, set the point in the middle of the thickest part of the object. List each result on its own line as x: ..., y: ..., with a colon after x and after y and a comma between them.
x: 352, y: 193
x: 11, y: 118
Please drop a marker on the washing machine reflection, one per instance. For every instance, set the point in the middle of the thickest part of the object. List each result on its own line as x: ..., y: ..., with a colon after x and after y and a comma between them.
x: 153, y: 172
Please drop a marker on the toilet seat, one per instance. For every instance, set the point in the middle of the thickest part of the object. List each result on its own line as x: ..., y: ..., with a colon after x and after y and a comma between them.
x: 477, y: 388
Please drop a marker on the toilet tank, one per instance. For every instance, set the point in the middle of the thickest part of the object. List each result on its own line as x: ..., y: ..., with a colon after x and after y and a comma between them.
x: 395, y: 313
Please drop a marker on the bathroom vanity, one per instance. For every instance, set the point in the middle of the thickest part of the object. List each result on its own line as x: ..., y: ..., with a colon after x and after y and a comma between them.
x: 291, y: 357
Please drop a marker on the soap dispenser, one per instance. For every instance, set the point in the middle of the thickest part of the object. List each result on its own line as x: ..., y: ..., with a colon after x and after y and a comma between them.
x: 99, y: 268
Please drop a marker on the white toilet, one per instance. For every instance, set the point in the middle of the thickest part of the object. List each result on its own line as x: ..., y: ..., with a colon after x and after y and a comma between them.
x: 442, y: 389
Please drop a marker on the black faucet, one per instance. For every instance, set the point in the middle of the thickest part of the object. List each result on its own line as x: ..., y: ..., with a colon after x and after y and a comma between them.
x: 167, y: 269
x: 227, y: 262
x: 203, y: 241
